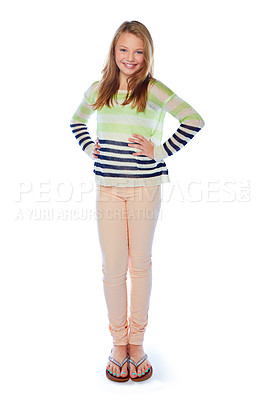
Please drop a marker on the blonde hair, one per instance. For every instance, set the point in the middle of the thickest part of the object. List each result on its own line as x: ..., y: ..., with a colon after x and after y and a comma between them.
x: 137, y: 82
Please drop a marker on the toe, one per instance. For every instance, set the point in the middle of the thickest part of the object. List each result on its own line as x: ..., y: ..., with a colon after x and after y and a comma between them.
x: 115, y: 370
x: 133, y: 373
x: 110, y: 370
x: 144, y: 369
x: 147, y: 366
x: 141, y: 370
x: 124, y: 371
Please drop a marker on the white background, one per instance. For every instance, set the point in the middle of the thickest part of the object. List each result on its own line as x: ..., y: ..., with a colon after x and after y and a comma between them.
x: 206, y: 331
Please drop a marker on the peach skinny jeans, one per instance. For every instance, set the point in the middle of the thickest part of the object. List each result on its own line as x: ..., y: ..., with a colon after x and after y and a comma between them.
x: 126, y: 221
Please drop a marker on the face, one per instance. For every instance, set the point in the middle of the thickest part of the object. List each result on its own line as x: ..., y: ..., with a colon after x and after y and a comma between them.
x: 129, y: 55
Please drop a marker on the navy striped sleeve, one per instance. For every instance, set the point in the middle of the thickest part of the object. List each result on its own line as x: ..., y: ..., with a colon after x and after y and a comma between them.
x: 190, y: 123
x: 78, y: 122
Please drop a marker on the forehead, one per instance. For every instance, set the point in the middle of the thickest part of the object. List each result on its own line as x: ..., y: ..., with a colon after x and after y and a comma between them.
x: 130, y: 40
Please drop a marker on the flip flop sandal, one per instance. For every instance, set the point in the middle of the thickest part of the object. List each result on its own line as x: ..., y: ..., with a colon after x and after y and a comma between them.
x: 116, y: 378
x: 146, y: 375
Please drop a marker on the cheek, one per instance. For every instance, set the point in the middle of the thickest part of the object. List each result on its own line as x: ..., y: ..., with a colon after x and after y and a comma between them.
x: 118, y: 56
x: 140, y: 59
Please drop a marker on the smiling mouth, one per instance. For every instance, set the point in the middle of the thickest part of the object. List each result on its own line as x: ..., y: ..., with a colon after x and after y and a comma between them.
x: 129, y: 65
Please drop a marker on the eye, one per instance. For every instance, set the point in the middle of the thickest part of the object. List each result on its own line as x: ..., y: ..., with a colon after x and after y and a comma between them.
x: 122, y: 49
x: 139, y: 52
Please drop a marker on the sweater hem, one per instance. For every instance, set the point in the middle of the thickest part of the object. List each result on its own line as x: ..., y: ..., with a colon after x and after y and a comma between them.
x: 131, y: 182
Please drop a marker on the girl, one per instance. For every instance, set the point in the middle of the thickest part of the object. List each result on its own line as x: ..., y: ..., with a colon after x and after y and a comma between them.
x: 129, y: 169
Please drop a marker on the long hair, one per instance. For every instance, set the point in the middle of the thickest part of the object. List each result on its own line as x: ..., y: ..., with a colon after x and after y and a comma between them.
x: 137, y: 82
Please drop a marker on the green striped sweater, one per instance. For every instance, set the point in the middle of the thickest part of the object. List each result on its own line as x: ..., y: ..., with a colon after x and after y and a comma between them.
x: 115, y: 165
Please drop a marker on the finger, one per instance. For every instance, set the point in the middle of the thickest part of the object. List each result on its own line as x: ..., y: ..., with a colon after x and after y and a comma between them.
x: 141, y: 139
x: 139, y: 146
x: 135, y: 140
x: 138, y: 136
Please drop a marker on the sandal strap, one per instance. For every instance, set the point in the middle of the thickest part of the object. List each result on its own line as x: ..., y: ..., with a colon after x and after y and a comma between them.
x: 139, y: 362
x: 117, y: 363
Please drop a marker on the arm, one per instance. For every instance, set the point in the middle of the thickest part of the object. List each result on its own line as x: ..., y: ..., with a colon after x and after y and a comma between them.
x: 78, y: 123
x: 191, y: 123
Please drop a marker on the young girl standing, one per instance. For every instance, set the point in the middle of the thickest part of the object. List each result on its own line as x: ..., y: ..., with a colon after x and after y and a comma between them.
x: 129, y: 169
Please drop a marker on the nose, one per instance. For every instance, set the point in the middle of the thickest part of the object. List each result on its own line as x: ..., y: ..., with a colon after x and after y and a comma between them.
x: 130, y: 57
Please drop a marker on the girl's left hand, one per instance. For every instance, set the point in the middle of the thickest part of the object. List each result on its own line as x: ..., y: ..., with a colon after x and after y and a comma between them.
x: 142, y: 143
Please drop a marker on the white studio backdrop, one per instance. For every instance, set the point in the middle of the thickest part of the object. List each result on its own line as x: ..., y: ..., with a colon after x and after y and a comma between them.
x: 206, y: 331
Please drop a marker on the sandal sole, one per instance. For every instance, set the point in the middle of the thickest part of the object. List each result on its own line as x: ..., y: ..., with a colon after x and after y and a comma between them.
x: 116, y: 379
x: 143, y: 377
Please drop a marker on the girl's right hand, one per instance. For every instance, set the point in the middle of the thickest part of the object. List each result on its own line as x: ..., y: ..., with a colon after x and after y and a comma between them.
x: 96, y: 152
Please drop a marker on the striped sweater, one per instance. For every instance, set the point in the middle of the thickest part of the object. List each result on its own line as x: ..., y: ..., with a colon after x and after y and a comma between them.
x: 115, y: 165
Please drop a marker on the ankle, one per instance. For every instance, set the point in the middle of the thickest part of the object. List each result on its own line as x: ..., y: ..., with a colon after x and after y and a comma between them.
x: 135, y: 346
x: 120, y: 346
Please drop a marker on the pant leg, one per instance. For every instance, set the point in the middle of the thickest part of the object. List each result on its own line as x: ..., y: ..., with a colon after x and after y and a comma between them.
x: 113, y: 238
x: 143, y: 211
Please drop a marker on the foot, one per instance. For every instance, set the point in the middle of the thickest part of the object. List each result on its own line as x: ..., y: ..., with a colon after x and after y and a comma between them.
x: 136, y: 353
x: 119, y: 353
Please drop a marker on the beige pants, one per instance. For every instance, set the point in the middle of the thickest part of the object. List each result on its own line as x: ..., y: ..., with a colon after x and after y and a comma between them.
x: 126, y: 220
